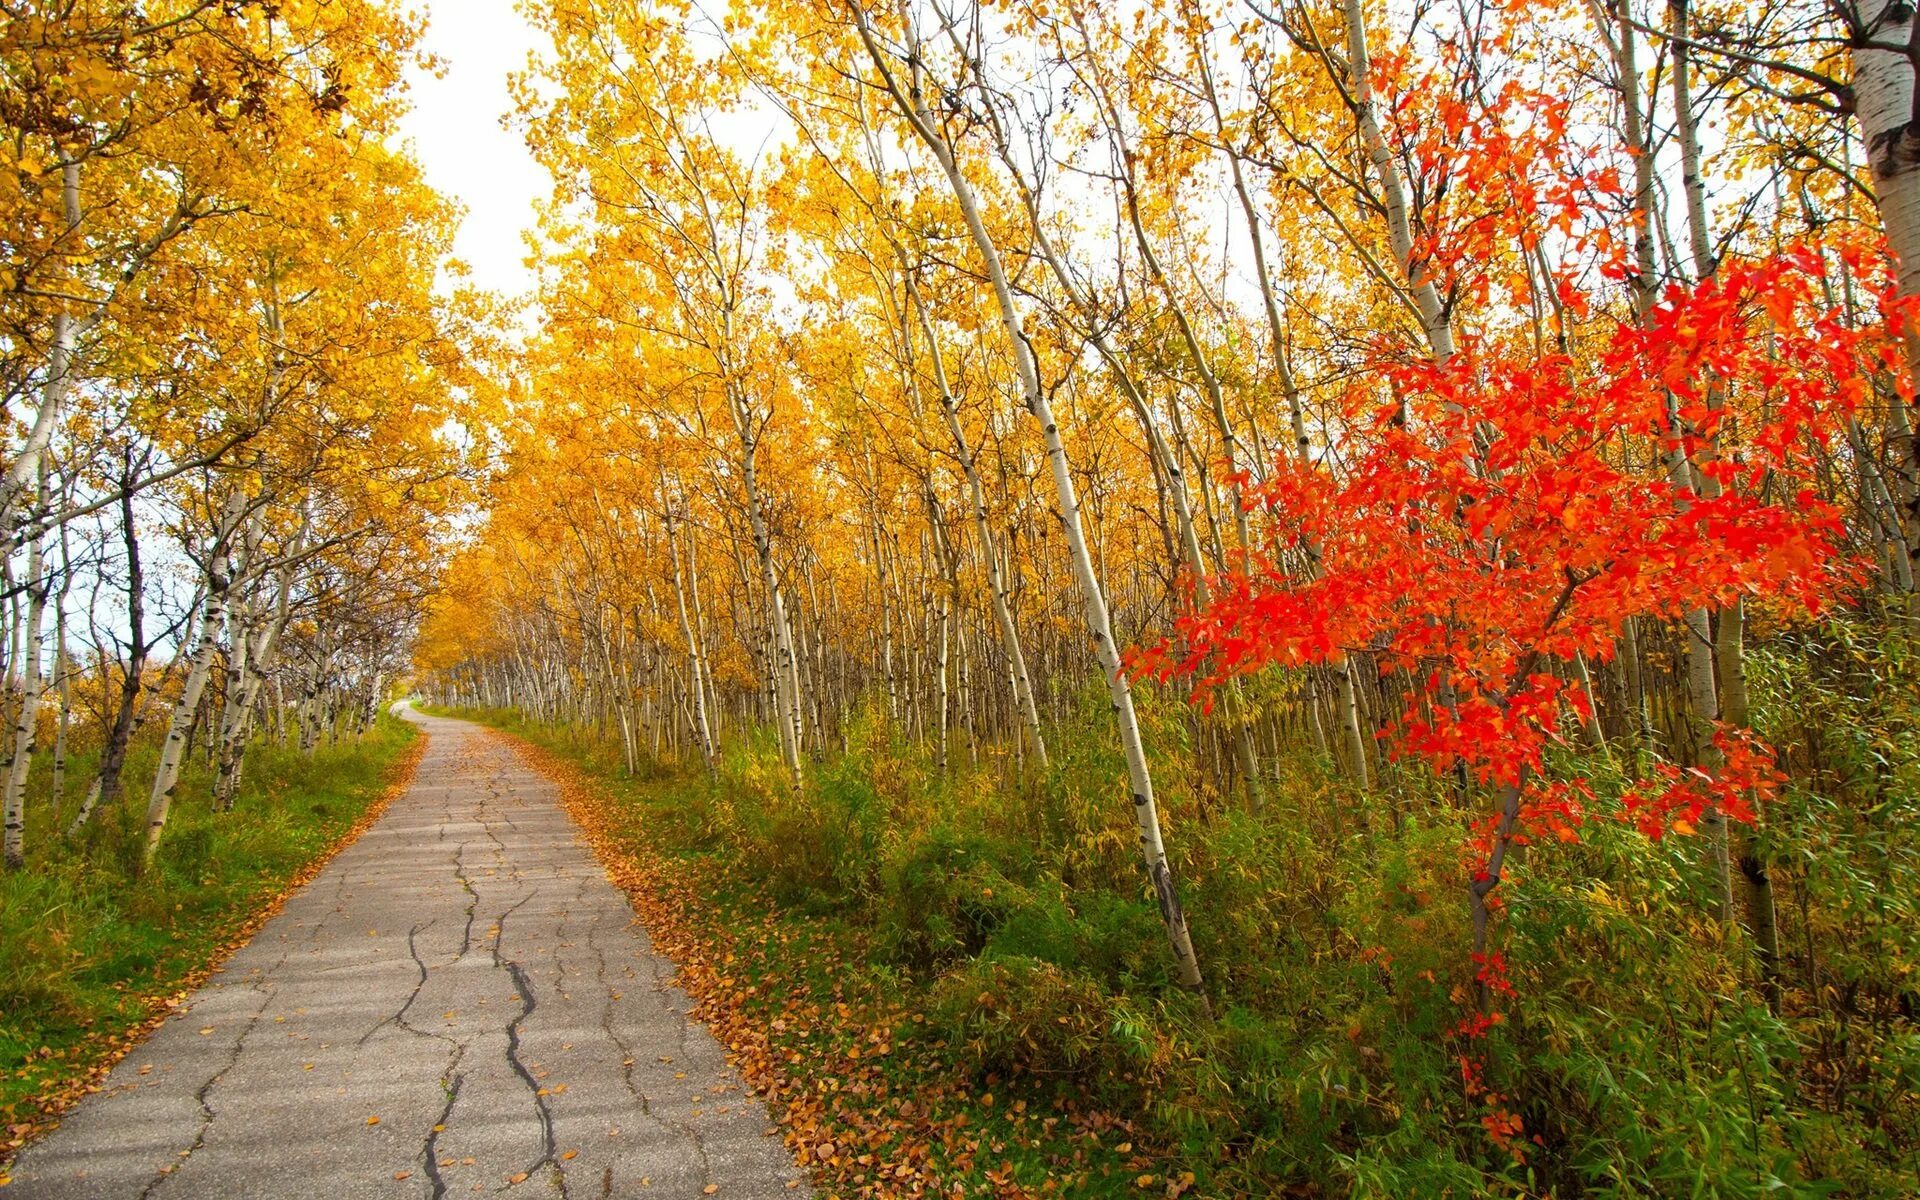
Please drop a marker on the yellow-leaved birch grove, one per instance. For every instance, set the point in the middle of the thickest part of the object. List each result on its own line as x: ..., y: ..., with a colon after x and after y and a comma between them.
x: 929, y: 355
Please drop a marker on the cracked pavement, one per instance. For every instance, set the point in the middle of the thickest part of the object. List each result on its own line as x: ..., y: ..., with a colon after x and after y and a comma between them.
x: 459, y: 1003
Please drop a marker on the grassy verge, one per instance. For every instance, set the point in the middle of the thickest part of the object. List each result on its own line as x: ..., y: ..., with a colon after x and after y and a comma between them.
x: 91, y: 958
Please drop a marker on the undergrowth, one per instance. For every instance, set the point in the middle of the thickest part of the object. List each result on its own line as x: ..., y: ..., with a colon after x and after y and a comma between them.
x: 1008, y: 914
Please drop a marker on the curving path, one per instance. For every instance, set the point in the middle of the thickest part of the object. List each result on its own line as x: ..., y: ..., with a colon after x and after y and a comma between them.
x: 459, y: 1003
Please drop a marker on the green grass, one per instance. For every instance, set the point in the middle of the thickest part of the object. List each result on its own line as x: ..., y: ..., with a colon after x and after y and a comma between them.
x: 86, y: 947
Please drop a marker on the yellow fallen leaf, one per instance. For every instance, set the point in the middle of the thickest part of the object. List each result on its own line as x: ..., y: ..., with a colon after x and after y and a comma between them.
x: 710, y: 1189
x: 517, y: 1177
x: 569, y: 1156
x: 373, y: 1120
x: 403, y: 1174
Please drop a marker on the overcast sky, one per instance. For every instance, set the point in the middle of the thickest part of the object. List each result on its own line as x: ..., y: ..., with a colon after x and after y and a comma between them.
x: 456, y: 133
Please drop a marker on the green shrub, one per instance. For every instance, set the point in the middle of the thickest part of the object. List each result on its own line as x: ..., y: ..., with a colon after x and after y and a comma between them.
x: 1019, y: 1015
x: 942, y: 895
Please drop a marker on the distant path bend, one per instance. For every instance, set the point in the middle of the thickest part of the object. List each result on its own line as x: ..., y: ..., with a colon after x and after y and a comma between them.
x: 459, y: 1003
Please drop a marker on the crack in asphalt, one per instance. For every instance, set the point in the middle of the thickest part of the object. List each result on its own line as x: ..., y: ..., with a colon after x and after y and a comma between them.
x: 399, y: 1016
x: 473, y: 897
x: 528, y: 1003
x: 450, y: 1081
x: 207, y: 1113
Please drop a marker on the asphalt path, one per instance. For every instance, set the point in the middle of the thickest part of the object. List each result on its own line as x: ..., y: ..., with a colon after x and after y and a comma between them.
x: 459, y: 1003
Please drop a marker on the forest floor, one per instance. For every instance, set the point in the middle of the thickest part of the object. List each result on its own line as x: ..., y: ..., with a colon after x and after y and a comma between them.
x: 459, y: 1002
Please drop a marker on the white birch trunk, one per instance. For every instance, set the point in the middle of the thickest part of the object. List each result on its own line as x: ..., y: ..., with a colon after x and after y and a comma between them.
x: 166, y: 776
x: 27, y: 722
x: 1022, y: 682
x: 1434, y: 319
x: 25, y: 470
x: 782, y: 665
x: 1099, y: 625
x: 1884, y: 69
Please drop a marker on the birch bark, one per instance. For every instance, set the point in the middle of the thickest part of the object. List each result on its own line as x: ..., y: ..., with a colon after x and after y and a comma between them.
x: 27, y: 722
x: 908, y: 98
x: 1886, y: 56
x: 166, y: 776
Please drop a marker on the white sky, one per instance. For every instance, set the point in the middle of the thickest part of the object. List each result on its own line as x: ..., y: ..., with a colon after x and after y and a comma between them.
x: 457, y: 136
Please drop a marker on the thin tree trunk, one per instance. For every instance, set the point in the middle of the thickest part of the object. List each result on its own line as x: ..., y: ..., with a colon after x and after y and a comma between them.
x: 696, y: 662
x: 783, y: 669
x: 212, y: 624
x: 27, y: 721
x: 105, y: 788
x: 1099, y: 625
x: 1021, y: 681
